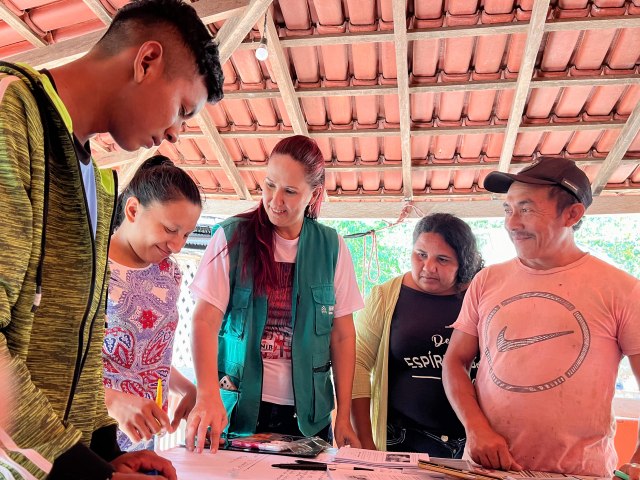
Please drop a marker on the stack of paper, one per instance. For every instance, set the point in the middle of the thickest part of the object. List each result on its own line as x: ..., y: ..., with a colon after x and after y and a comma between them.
x: 376, y: 459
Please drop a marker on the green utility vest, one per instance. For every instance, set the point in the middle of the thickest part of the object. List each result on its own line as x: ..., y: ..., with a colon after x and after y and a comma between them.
x: 313, y: 301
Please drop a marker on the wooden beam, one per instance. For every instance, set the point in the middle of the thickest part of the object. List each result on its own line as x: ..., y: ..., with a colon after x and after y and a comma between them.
x: 334, y: 39
x: 347, y: 38
x: 280, y: 67
x: 382, y: 167
x: 99, y: 11
x: 59, y: 53
x: 229, y: 37
x: 535, y: 34
x: 574, y: 126
x: 587, y: 81
x: 116, y: 159
x: 99, y: 147
x: 252, y: 94
x: 612, y: 162
x: 379, y: 208
x: 211, y: 11
x: 401, y: 44
x: 592, y: 23
x: 20, y: 26
x: 421, y: 131
x: 224, y: 159
x: 387, y: 132
x: 235, y: 29
x: 439, y: 87
x: 131, y: 167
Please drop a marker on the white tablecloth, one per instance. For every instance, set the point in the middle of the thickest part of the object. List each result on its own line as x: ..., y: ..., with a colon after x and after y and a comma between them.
x: 239, y: 465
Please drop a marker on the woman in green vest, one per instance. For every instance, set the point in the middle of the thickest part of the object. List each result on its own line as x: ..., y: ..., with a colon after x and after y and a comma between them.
x: 276, y: 292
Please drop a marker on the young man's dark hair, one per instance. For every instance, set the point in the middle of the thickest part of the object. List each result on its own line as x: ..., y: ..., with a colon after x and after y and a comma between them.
x: 144, y: 20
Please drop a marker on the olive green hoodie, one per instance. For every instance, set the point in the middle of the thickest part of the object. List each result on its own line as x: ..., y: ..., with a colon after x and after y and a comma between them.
x: 46, y: 240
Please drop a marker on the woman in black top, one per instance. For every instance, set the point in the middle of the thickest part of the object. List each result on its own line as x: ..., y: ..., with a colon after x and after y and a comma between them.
x: 402, y: 336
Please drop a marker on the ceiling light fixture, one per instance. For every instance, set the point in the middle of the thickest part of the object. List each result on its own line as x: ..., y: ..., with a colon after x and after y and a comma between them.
x: 262, y: 52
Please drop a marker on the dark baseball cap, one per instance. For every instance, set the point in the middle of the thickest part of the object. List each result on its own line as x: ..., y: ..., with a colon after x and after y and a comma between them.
x: 545, y: 171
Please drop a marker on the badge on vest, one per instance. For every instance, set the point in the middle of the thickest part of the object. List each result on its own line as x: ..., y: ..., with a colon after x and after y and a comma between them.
x: 327, y: 309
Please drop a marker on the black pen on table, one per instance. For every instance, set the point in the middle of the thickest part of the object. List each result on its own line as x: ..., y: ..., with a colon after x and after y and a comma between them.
x: 316, y: 466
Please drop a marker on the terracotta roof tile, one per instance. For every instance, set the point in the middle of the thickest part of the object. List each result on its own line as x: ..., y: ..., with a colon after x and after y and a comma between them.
x: 581, y: 76
x: 53, y: 16
x: 626, y: 49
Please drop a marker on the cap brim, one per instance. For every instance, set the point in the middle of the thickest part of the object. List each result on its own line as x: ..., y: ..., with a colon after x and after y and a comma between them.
x: 499, y: 182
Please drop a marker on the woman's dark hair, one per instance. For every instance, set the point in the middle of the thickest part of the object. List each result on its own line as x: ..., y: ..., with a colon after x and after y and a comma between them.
x: 157, y: 180
x: 256, y: 234
x: 458, y: 235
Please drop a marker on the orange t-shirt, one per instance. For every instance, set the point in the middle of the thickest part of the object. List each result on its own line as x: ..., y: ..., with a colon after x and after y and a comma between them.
x: 550, y: 344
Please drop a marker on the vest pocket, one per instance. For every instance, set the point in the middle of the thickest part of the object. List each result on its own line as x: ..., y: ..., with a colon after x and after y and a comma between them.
x: 229, y: 400
x: 236, y: 318
x: 322, y: 387
x: 324, y: 299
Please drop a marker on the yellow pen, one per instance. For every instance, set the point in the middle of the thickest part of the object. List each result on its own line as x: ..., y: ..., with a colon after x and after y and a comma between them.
x: 159, y: 393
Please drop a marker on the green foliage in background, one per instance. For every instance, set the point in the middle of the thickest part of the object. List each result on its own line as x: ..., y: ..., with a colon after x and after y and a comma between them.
x: 615, y: 239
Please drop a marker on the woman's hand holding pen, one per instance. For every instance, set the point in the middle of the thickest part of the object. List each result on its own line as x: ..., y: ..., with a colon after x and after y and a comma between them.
x: 138, y: 417
x: 207, y: 412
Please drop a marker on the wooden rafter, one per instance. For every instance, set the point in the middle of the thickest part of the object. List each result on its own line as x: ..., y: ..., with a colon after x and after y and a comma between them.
x: 229, y: 37
x: 440, y: 87
x: 382, y: 167
x: 99, y: 147
x: 593, y: 23
x: 224, y: 159
x: 117, y: 159
x: 59, y: 53
x: 535, y: 32
x: 427, y: 131
x: 402, y: 68
x: 353, y: 198
x: 378, y: 208
x: 612, y: 162
x: 215, y: 10
x: 280, y: 67
x: 235, y: 29
x: 20, y: 26
x: 98, y: 10
x: 129, y: 169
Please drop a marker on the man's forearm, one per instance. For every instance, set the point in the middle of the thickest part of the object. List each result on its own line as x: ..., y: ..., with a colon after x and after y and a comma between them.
x: 462, y: 396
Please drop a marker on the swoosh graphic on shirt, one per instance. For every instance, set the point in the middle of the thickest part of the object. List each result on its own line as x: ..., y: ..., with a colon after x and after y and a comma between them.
x: 504, y: 344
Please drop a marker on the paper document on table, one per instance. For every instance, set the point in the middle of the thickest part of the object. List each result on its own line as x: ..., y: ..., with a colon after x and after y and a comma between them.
x: 470, y: 471
x: 237, y: 465
x: 363, y: 475
x: 375, y: 458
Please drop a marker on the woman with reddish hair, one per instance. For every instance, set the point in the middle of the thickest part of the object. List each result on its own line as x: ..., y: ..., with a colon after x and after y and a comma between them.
x: 276, y: 292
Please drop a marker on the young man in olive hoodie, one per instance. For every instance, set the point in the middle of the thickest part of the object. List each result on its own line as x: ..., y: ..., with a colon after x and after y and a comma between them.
x: 155, y: 67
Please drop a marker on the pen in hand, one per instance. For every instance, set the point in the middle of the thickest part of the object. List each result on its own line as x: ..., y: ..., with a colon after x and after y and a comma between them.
x: 159, y: 404
x: 159, y: 393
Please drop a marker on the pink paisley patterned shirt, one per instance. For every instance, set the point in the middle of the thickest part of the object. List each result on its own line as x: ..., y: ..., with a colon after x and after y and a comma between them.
x: 142, y: 317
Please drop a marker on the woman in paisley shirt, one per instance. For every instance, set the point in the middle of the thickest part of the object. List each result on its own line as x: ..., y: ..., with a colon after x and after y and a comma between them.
x: 156, y: 213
